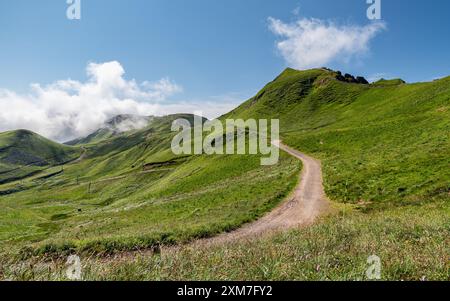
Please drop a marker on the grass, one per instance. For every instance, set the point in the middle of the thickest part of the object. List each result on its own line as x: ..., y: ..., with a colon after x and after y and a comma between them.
x: 411, y: 242
x: 385, y: 153
x: 24, y: 154
x: 383, y: 143
x: 24, y: 148
x: 109, y: 202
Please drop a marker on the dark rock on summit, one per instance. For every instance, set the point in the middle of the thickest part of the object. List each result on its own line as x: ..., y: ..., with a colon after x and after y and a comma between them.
x: 348, y: 78
x: 362, y: 80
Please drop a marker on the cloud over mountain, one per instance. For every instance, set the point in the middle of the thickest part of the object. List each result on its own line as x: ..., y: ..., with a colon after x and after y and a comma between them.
x: 311, y: 43
x: 68, y: 109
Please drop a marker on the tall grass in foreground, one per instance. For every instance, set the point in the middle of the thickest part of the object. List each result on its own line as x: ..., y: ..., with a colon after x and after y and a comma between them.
x: 412, y: 243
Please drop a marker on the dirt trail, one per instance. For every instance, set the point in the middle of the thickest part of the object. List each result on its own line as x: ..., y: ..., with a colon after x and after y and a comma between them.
x: 302, y: 207
x: 82, y: 156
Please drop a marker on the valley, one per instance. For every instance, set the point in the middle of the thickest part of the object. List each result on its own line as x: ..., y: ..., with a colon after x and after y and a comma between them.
x: 384, y: 150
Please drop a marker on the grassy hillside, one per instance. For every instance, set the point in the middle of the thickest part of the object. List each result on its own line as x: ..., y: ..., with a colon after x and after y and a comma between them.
x: 114, y: 127
x: 388, y: 142
x: 385, y: 152
x: 23, y: 153
x: 412, y: 243
x: 130, y: 192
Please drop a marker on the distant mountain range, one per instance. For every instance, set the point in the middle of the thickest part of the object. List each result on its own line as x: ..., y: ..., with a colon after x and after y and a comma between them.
x: 304, y: 101
x: 114, y: 127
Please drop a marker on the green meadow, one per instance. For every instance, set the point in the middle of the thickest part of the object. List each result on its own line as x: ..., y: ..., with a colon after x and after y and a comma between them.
x: 412, y: 243
x: 132, y: 193
x: 385, y: 151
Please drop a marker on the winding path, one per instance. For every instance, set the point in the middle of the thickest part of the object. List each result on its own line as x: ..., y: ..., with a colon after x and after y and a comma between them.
x: 82, y: 156
x: 302, y: 207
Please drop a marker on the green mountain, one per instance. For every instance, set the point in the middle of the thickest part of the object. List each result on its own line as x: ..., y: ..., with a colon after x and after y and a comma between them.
x: 122, y: 135
x: 114, y: 127
x: 23, y: 153
x: 130, y: 191
x: 384, y: 148
x: 27, y: 148
x: 380, y: 142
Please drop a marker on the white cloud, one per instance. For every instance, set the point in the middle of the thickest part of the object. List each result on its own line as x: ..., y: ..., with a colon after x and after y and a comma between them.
x: 162, y: 88
x: 311, y: 43
x: 68, y: 109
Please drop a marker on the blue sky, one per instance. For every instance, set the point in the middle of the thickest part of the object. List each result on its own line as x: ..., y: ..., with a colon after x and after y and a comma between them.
x: 216, y: 51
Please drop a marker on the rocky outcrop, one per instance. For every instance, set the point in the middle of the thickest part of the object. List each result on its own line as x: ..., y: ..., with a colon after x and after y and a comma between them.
x: 350, y: 78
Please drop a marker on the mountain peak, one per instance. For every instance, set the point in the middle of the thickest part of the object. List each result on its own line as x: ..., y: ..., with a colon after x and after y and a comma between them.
x: 115, y: 126
x: 26, y: 148
x: 22, y: 133
x: 127, y: 122
x: 122, y: 117
x: 389, y: 82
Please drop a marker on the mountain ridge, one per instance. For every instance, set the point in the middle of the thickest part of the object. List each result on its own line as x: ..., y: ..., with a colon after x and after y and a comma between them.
x: 329, y: 118
x: 113, y: 127
x: 384, y: 157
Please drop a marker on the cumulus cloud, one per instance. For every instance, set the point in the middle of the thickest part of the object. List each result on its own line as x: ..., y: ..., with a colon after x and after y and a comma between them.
x: 311, y: 43
x: 69, y: 109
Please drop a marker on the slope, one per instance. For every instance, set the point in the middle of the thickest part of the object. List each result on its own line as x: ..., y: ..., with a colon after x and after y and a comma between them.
x: 384, y: 149
x: 384, y: 143
x: 23, y: 153
x: 113, y: 128
x: 131, y: 192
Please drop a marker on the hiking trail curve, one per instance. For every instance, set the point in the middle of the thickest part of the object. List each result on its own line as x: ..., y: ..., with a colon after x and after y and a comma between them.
x: 300, y: 209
